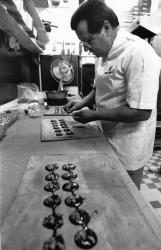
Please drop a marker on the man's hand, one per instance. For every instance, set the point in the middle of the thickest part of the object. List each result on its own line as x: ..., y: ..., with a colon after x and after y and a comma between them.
x: 72, y: 106
x: 84, y: 116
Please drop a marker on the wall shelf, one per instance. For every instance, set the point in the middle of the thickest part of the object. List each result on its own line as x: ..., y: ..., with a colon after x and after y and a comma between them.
x: 9, y: 25
x: 141, y: 31
x: 146, y: 26
x: 41, y: 3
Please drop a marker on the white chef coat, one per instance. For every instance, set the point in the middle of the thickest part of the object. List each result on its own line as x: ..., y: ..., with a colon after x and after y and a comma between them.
x: 130, y: 75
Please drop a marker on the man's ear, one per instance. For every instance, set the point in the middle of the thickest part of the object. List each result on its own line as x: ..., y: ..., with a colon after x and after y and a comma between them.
x: 106, y: 25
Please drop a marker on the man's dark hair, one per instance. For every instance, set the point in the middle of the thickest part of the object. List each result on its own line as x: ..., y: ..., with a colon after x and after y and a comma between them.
x: 95, y: 12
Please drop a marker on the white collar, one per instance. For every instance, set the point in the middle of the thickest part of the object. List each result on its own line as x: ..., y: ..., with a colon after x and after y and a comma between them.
x: 118, y: 42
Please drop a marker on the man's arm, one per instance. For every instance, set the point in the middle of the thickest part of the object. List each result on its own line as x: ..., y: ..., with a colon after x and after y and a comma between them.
x: 124, y: 114
x: 120, y: 114
x: 77, y: 105
x: 89, y: 99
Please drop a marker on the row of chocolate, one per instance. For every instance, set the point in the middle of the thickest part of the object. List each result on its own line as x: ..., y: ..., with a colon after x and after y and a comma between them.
x: 60, y: 127
x: 55, y: 220
x: 86, y: 238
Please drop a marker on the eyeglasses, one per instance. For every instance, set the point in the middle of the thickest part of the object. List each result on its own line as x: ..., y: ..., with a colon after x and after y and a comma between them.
x: 90, y: 40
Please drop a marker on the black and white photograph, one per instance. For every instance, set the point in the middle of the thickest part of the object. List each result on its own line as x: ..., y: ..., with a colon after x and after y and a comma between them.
x: 80, y: 124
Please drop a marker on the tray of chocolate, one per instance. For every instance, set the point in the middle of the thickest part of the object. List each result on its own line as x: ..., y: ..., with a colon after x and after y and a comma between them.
x: 65, y: 129
x: 72, y: 202
x: 56, y: 111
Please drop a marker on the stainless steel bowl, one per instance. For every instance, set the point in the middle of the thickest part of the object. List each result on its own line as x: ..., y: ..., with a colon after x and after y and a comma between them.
x: 56, y: 95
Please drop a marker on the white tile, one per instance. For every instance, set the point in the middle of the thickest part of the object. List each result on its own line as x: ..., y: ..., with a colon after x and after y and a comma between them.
x: 157, y: 194
x: 158, y: 185
x: 148, y: 181
x: 158, y: 213
x: 150, y: 175
x: 150, y: 195
x: 144, y: 186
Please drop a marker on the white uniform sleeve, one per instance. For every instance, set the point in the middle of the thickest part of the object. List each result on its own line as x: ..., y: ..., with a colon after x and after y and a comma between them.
x: 142, y: 75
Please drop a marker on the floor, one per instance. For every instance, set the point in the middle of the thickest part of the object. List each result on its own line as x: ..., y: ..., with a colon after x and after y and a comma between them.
x: 151, y: 185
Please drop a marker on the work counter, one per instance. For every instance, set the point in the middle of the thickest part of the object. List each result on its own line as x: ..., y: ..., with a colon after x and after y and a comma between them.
x: 123, y: 218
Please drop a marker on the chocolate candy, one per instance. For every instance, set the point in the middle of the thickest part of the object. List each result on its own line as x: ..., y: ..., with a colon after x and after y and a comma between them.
x: 70, y: 186
x: 74, y: 200
x: 52, y: 201
x: 51, y: 187
x: 54, y: 243
x: 52, y: 177
x: 58, y: 131
x: 85, y: 238
x: 69, y: 133
x: 79, y: 217
x: 69, y: 176
x: 53, y: 221
x: 59, y: 134
x: 51, y: 167
x: 68, y: 166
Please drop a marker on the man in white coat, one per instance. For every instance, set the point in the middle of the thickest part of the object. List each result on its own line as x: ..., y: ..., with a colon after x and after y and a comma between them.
x: 125, y: 88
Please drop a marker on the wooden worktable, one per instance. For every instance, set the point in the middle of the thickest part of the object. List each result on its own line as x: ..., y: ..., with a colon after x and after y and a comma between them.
x: 131, y: 221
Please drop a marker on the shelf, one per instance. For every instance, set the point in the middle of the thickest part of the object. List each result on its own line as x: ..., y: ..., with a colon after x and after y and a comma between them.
x: 146, y: 26
x: 41, y: 3
x: 141, y: 31
x: 9, y: 25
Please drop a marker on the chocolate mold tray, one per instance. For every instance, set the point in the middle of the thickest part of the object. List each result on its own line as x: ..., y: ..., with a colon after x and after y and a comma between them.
x: 65, y: 129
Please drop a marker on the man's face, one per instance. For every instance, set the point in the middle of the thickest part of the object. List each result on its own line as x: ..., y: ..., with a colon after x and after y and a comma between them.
x: 100, y: 43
